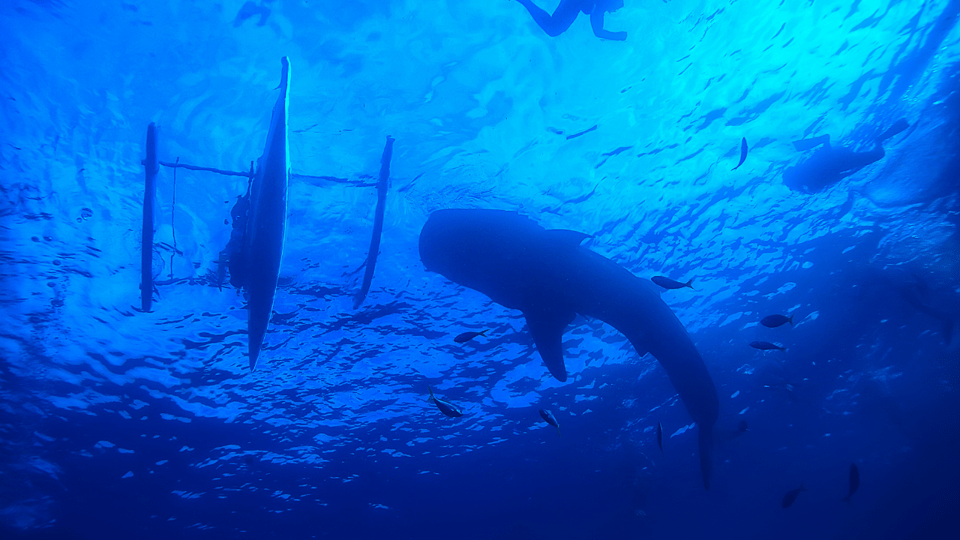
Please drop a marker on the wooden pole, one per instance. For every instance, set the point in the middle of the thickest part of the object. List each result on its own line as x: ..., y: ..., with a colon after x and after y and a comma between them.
x: 377, y: 223
x: 151, y: 167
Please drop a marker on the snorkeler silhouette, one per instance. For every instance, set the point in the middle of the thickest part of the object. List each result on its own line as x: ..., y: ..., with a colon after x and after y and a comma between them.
x: 567, y: 12
x: 251, y: 9
x: 830, y: 164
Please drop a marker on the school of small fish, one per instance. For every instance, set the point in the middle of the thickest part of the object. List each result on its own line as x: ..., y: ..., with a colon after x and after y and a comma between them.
x: 770, y: 321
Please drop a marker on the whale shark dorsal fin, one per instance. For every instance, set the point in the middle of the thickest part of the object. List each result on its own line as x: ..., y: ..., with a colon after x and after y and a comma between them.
x: 566, y: 238
x: 547, y: 328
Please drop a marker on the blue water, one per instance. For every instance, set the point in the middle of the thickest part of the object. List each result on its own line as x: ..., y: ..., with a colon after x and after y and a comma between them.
x: 119, y: 423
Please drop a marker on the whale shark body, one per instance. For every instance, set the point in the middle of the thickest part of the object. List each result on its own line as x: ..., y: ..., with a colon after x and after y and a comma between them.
x: 263, y: 239
x: 549, y: 277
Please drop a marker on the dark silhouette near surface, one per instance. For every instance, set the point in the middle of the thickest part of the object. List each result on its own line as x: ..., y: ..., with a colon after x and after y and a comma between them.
x: 569, y: 10
x: 252, y: 9
x: 830, y: 164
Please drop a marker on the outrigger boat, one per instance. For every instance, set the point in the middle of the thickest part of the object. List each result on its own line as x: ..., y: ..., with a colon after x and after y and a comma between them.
x: 266, y: 222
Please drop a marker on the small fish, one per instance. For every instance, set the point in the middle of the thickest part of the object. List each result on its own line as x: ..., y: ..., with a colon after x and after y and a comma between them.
x: 741, y: 429
x: 854, y: 481
x: 660, y: 438
x: 447, y: 408
x: 792, y: 496
x: 549, y: 418
x: 766, y: 346
x: 773, y: 321
x: 668, y: 283
x: 467, y: 336
x: 743, y: 153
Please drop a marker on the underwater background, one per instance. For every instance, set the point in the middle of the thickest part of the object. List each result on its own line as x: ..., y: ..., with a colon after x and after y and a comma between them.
x: 120, y: 423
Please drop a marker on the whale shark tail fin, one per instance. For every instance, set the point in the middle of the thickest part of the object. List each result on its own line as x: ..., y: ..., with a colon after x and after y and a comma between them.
x: 706, y: 451
x: 547, y: 328
x: 898, y: 127
x: 689, y: 284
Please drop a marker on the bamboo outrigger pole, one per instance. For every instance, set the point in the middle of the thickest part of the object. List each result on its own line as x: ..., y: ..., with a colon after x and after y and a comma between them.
x: 377, y: 222
x: 150, y: 166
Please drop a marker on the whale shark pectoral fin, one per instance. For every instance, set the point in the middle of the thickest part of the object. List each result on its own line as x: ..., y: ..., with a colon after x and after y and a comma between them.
x: 566, y: 239
x: 638, y: 339
x: 547, y: 329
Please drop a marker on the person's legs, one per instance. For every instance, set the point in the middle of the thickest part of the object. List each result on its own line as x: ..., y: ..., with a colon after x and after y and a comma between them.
x: 807, y: 144
x: 559, y: 22
x: 858, y: 160
x: 898, y: 127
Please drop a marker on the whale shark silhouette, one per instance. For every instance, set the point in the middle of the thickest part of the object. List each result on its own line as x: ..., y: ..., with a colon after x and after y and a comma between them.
x: 549, y: 277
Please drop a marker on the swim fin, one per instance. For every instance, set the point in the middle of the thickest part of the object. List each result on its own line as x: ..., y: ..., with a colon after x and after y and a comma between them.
x: 898, y: 127
x: 807, y: 144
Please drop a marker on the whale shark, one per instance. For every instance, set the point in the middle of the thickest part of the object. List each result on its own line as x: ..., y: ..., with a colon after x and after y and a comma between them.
x: 551, y: 278
x: 830, y: 164
x: 263, y: 237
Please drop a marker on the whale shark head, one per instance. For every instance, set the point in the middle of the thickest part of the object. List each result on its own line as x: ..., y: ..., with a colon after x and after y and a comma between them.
x: 458, y: 244
x: 509, y: 258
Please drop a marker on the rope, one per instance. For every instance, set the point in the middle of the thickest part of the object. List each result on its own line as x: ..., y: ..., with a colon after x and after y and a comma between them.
x: 179, y: 165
